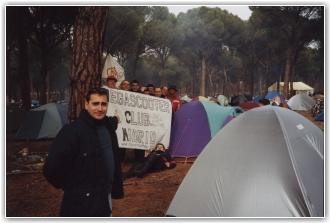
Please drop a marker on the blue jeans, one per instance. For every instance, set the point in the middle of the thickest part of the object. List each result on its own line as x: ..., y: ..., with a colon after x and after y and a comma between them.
x: 110, y: 203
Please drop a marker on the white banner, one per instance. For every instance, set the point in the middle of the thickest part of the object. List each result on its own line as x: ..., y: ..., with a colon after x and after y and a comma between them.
x: 112, y: 68
x: 145, y: 120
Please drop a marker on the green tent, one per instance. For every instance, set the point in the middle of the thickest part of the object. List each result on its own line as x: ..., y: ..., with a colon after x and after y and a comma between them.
x: 43, y: 122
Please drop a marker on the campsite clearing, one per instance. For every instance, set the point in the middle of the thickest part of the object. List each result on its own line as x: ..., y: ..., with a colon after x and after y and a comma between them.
x: 30, y: 195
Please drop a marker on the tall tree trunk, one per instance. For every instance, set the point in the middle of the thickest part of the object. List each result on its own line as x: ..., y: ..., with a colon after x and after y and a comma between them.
x: 86, y: 66
x: 203, y: 77
x: 252, y: 81
x: 137, y: 54
x: 288, y: 64
x: 48, y: 87
x: 264, y: 93
x: 43, y: 77
x: 260, y: 85
x: 292, y: 93
x: 23, y: 58
x: 163, y: 74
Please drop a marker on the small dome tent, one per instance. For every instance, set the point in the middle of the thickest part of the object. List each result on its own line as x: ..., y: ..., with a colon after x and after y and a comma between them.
x: 43, y: 122
x: 301, y: 102
x: 195, y: 124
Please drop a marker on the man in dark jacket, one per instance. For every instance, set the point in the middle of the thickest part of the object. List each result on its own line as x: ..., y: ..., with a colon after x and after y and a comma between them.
x: 84, y: 160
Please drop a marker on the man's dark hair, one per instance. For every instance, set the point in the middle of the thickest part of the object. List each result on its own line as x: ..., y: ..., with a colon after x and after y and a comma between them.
x: 134, y: 81
x: 151, y: 85
x: 100, y: 91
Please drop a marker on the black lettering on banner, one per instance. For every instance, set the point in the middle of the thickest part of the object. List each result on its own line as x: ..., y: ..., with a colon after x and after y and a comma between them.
x: 133, y: 101
x: 139, y: 136
x: 147, y: 135
x: 151, y: 105
x: 145, y: 102
x: 156, y: 103
x: 134, y: 122
x: 136, y: 135
x: 140, y: 119
x: 146, y: 119
x: 152, y: 137
x: 127, y: 113
x: 139, y: 99
x: 125, y: 135
x: 113, y: 97
x: 126, y: 99
x: 161, y: 107
x: 120, y: 99
x: 166, y: 109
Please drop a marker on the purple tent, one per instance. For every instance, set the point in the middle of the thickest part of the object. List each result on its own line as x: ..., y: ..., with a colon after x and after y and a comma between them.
x: 195, y: 124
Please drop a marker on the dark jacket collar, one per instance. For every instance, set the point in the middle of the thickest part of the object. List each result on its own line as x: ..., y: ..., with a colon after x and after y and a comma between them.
x: 88, y: 119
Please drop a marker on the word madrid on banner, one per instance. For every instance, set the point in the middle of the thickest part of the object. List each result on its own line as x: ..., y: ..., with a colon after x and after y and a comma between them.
x: 145, y: 120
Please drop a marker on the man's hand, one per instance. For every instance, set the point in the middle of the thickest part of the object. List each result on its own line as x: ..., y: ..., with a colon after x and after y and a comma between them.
x: 116, y: 115
x: 146, y: 153
x: 167, y: 164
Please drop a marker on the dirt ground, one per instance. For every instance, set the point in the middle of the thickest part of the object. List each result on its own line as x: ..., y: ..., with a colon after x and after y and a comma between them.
x: 28, y: 194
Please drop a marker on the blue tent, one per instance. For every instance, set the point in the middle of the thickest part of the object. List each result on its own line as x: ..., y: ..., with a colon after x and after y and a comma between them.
x: 320, y: 117
x: 257, y: 98
x: 272, y: 94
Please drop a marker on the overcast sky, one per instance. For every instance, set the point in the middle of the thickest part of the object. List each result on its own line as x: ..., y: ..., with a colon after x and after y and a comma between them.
x: 241, y: 11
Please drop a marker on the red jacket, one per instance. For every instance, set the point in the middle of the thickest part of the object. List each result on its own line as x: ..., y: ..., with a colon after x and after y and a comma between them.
x: 176, y: 102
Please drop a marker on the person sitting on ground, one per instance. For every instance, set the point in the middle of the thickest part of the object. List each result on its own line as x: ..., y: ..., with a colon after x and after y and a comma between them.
x: 154, y: 161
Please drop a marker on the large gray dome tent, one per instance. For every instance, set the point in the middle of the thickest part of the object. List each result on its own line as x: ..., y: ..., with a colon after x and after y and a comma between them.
x: 267, y: 162
x: 43, y: 122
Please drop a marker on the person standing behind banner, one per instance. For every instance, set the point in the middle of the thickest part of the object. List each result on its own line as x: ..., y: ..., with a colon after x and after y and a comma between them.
x: 111, y: 82
x: 174, y: 98
x: 151, y: 88
x: 146, y: 91
x: 124, y: 85
x: 135, y: 87
x: 84, y: 160
x: 158, y: 92
x: 164, y: 92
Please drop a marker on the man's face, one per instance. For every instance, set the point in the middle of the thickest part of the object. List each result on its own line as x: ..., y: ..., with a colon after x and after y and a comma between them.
x: 151, y: 90
x: 160, y: 147
x: 158, y: 92
x: 125, y: 85
x: 111, y: 83
x: 171, y: 91
x: 164, y: 91
x: 135, y: 86
x: 97, y: 106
